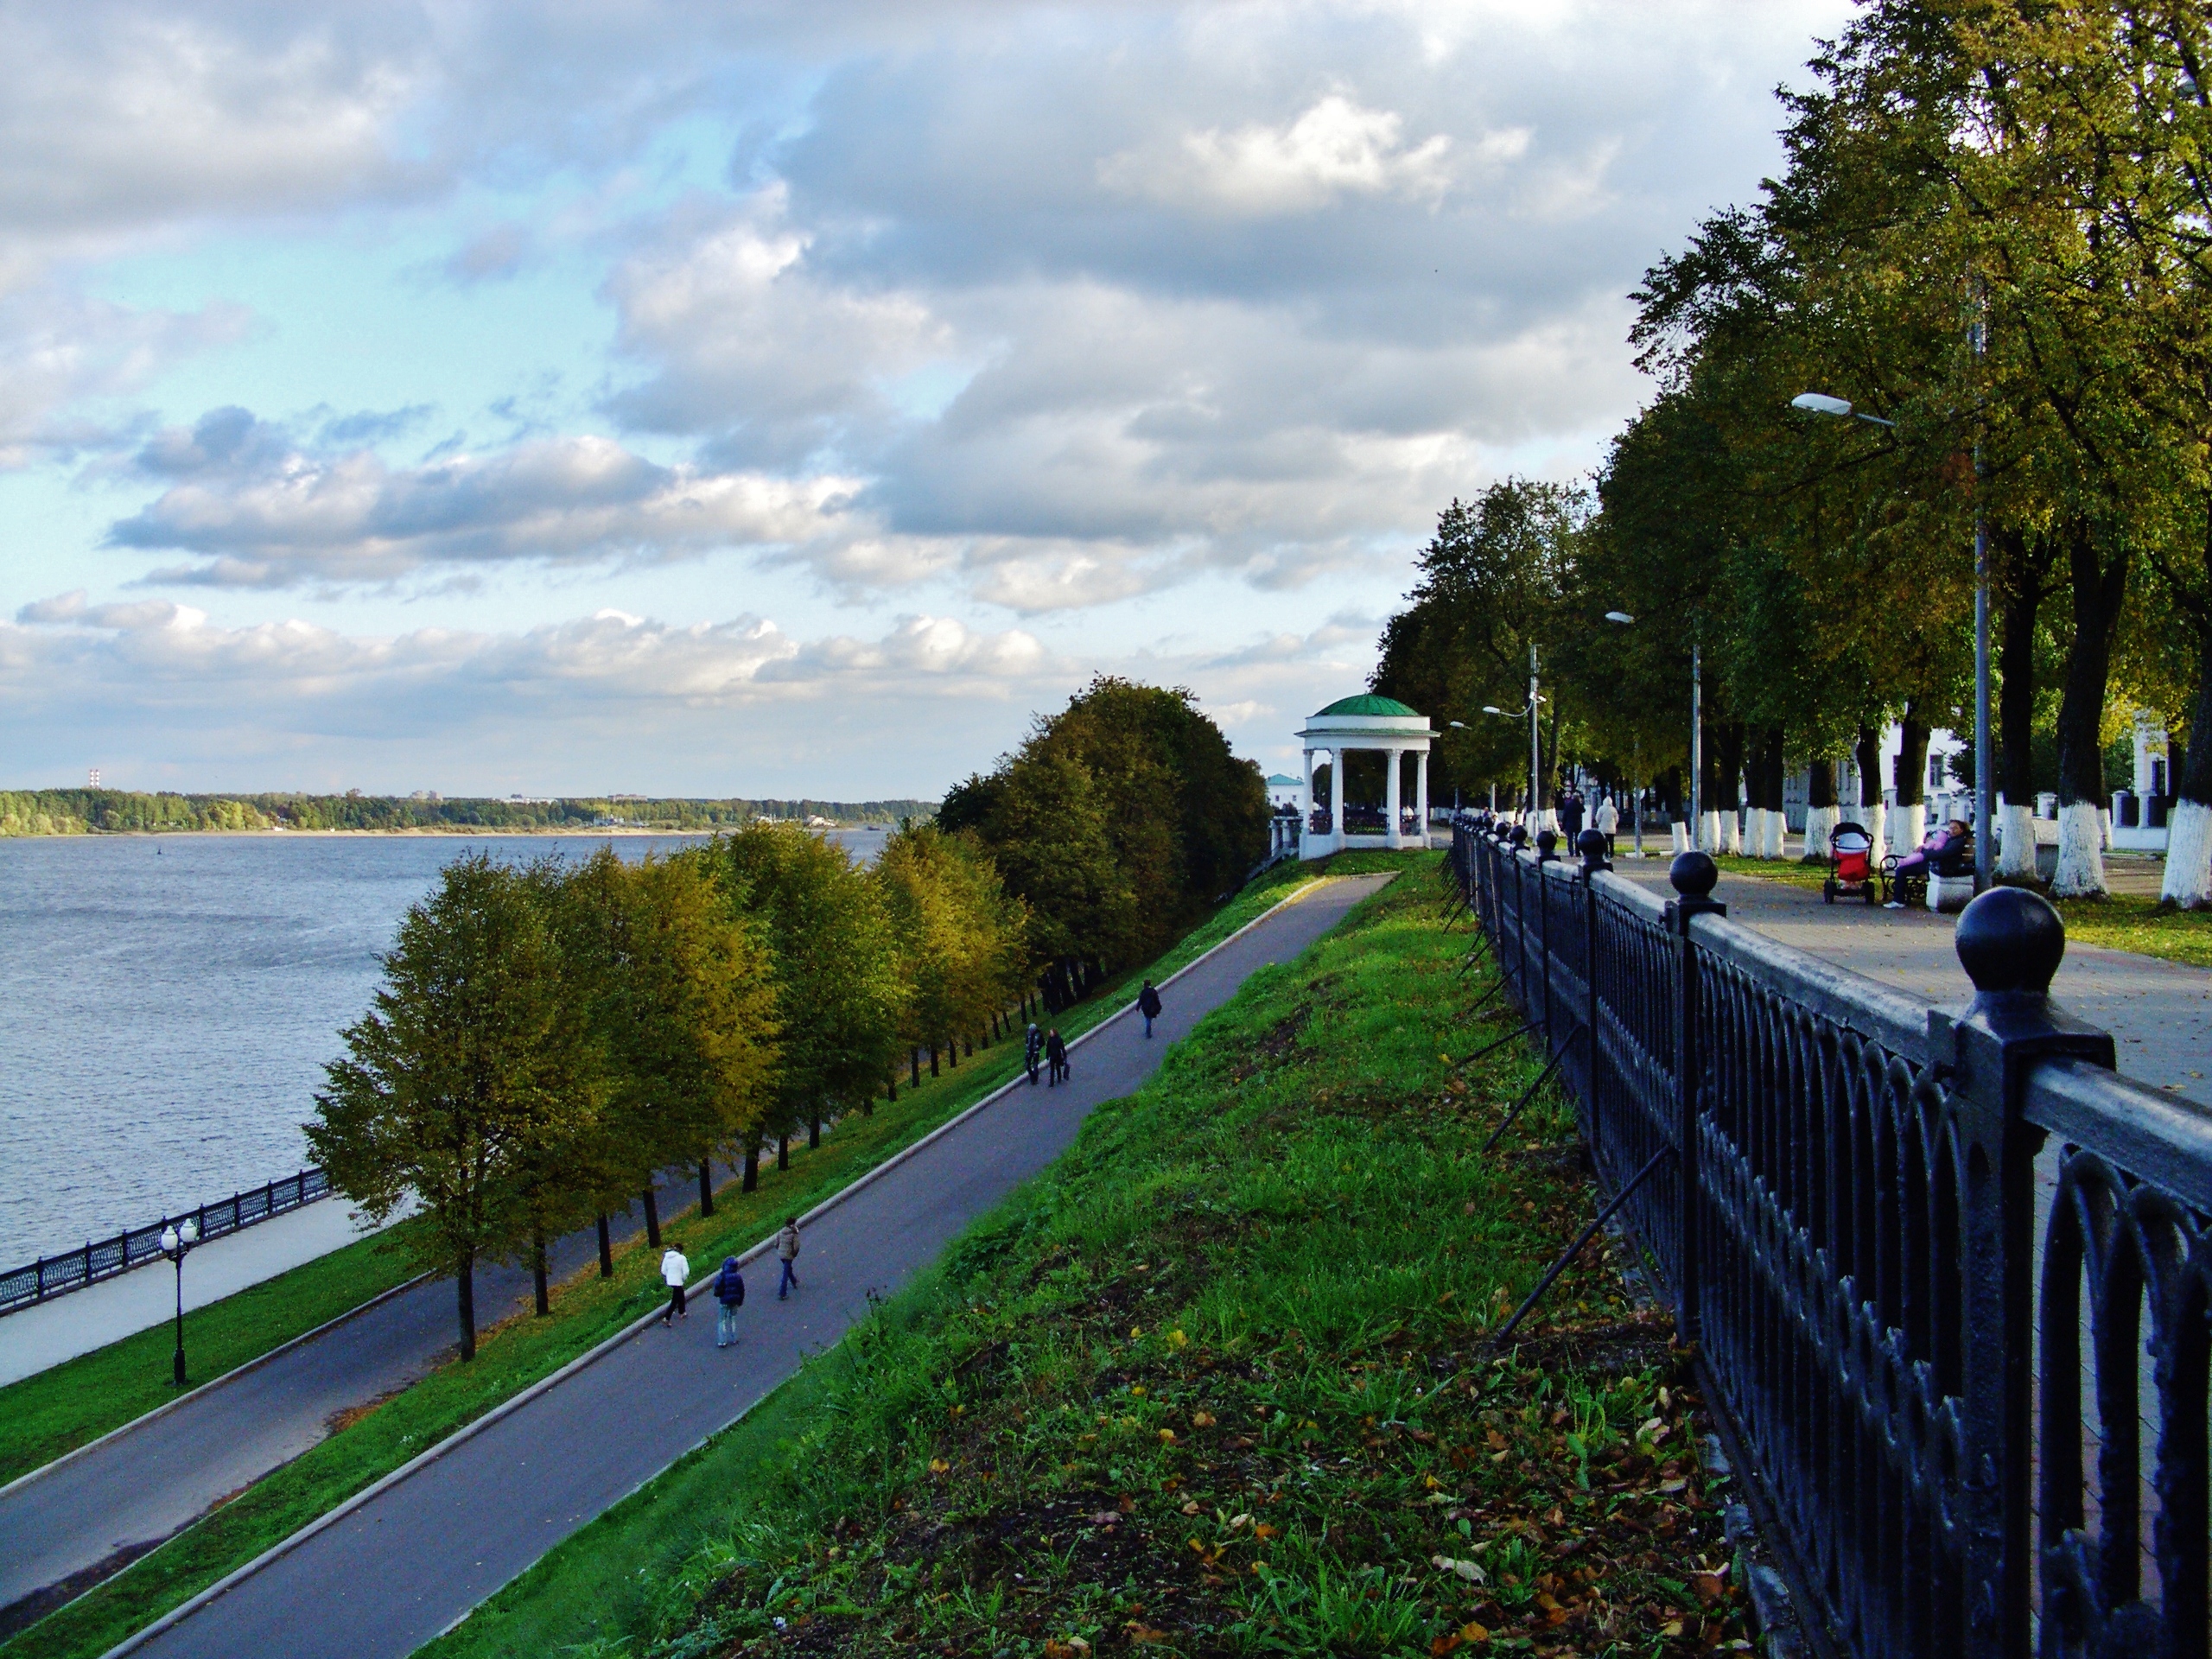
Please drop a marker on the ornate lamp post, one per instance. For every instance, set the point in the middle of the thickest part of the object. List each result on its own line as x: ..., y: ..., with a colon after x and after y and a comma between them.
x: 177, y: 1246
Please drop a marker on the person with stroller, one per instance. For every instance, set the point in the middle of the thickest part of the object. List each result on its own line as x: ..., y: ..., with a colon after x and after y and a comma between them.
x: 1943, y: 853
x: 1056, y: 1058
x: 1032, y: 1049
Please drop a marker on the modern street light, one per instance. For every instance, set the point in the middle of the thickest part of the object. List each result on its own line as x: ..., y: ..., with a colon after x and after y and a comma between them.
x: 1985, y: 790
x: 1697, y: 731
x: 177, y: 1246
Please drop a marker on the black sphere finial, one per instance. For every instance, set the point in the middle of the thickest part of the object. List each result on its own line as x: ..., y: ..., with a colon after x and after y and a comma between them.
x: 1693, y: 875
x: 1546, y: 843
x: 2010, y: 939
x: 1591, y: 843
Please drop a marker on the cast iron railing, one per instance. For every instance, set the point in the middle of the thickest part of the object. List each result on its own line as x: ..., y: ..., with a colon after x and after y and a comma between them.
x: 1929, y: 1334
x: 56, y: 1275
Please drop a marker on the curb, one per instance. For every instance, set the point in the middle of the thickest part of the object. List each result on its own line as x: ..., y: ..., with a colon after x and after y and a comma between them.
x: 284, y: 1547
x: 211, y: 1384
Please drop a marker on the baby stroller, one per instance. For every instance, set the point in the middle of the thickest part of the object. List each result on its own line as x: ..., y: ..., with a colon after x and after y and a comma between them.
x: 1852, y: 873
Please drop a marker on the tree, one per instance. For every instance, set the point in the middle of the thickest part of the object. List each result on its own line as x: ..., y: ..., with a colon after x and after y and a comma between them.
x: 1119, y: 820
x: 838, y: 987
x: 961, y: 937
x: 468, y: 1083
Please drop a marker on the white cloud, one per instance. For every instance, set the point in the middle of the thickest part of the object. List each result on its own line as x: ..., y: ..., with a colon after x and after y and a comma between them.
x: 295, y: 517
x: 1335, y: 149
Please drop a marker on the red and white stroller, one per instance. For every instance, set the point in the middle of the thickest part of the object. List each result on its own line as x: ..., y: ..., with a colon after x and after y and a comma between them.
x: 1852, y: 872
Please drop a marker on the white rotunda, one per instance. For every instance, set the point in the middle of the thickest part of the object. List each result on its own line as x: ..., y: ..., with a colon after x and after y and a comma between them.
x: 1366, y: 722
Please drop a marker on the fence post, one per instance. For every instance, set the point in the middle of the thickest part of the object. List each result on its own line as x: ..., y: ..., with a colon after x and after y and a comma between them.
x: 2010, y: 941
x: 1592, y: 845
x: 1693, y: 875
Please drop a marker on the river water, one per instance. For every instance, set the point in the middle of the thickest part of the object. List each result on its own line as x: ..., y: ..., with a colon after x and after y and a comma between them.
x: 166, y: 1004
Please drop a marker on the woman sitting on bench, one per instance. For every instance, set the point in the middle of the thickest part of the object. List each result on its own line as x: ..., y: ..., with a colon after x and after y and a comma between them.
x: 1944, y: 852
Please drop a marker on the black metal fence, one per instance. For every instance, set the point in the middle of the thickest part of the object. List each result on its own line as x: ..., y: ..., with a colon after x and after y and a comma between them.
x: 56, y: 1275
x: 1946, y: 1272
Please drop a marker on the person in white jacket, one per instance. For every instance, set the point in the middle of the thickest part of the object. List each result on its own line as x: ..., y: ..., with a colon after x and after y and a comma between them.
x: 1607, y: 821
x: 675, y: 1273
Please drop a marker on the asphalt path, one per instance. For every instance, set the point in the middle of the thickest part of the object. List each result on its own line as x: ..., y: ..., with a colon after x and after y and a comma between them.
x: 75, y: 1522
x: 412, y: 1560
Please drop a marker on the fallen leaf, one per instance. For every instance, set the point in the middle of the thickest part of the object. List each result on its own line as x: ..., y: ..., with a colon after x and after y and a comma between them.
x: 1190, y: 1508
x: 1106, y: 1518
x: 1672, y: 1627
x: 939, y: 1466
x: 1238, y: 1522
x: 1167, y: 1437
x: 1470, y: 1571
x: 1706, y: 1587
x: 1474, y: 1632
x: 1202, y: 1420
x: 1263, y: 1531
x: 1673, y: 1485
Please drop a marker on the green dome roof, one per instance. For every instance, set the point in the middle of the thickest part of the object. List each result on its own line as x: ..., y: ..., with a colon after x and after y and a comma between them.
x: 1369, y: 704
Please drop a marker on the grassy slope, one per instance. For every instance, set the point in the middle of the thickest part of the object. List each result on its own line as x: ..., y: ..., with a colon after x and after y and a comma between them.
x: 55, y: 1411
x: 2116, y: 922
x: 586, y: 1311
x: 1215, y: 1382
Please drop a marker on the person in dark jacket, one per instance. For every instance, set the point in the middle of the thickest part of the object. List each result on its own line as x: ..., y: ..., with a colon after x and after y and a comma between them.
x: 1148, y: 1006
x: 729, y: 1291
x: 1032, y: 1049
x: 1570, y: 815
x: 1056, y: 1058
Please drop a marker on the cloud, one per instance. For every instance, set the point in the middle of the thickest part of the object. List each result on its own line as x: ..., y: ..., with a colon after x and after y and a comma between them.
x: 263, y: 514
x: 1335, y: 149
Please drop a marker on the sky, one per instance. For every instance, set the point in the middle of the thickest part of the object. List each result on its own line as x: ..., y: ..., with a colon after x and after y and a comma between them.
x: 776, y: 400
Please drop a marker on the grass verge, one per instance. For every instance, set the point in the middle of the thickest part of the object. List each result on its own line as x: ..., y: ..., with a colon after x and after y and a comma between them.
x: 586, y: 1311
x: 1217, y: 1382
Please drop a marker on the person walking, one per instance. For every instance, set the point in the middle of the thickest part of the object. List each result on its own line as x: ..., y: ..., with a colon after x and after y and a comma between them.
x: 1032, y: 1049
x: 1608, y: 820
x: 1148, y: 1006
x: 675, y: 1273
x: 1056, y: 1058
x: 1570, y: 814
x: 787, y: 1254
x: 729, y: 1291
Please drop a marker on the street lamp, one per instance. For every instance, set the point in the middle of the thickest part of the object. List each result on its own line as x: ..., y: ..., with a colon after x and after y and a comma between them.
x: 1535, y: 752
x: 1985, y: 792
x: 177, y: 1246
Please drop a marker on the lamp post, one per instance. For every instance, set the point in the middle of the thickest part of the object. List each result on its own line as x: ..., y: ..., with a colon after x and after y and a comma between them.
x: 1697, y: 735
x: 1985, y: 792
x: 1530, y: 711
x: 176, y: 1245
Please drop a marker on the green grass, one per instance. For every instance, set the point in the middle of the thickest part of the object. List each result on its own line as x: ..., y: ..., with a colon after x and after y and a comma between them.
x: 55, y: 1411
x: 2116, y: 922
x: 586, y: 1310
x: 1244, y: 1317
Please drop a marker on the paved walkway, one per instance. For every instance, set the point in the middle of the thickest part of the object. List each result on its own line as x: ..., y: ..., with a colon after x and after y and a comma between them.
x: 69, y: 1526
x: 415, y: 1559
x: 46, y: 1334
x: 2159, y: 1013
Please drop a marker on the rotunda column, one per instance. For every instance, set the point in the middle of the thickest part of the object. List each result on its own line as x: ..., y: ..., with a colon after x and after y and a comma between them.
x: 1393, y: 822
x: 1421, y: 793
x: 1337, y: 798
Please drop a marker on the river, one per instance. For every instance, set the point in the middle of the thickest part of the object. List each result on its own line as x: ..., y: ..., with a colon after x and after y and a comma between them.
x: 167, y: 1003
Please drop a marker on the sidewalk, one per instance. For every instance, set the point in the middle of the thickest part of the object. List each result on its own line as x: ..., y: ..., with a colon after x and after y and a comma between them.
x: 115, y: 1309
x: 2159, y: 1013
x: 413, y: 1560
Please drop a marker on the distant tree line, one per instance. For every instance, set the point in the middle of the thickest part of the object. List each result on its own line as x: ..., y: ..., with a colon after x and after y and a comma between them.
x: 87, y: 811
x: 551, y: 1035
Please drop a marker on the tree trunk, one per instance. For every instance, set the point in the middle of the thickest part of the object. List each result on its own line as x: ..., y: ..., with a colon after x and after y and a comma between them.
x: 606, y: 1250
x: 751, y: 1182
x: 971, y: 1047
x: 814, y: 1132
x: 2016, y: 722
x: 652, y: 1219
x: 1729, y: 737
x: 2099, y: 587
x: 1868, y: 752
x: 933, y: 1070
x: 1772, y: 824
x: 465, y: 1285
x: 890, y: 1091
x: 1823, y: 811
x: 2187, y: 881
x: 1909, y: 826
x: 915, y: 1056
x: 1708, y: 828
x: 783, y: 1151
x: 539, y: 1288
x: 706, y: 1187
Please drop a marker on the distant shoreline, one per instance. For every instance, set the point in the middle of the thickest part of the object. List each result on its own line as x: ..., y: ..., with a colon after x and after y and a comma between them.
x: 568, y: 832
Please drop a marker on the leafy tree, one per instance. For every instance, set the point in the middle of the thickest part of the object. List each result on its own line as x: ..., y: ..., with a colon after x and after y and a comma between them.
x: 471, y: 1082
x: 838, y: 987
x: 961, y: 938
